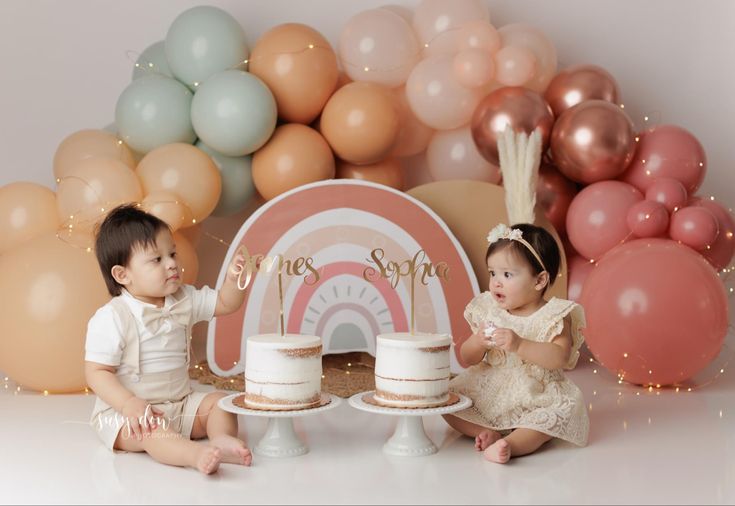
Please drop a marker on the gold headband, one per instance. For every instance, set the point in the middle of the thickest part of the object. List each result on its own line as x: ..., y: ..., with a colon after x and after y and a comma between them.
x: 502, y: 231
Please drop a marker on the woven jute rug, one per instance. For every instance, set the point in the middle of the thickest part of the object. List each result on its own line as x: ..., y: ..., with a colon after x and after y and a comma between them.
x: 343, y: 374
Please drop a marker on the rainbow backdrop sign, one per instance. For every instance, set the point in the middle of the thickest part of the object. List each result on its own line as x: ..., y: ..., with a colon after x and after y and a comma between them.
x: 338, y: 223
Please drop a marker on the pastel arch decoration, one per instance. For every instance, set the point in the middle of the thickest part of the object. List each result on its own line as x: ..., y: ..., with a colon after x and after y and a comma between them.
x: 338, y: 223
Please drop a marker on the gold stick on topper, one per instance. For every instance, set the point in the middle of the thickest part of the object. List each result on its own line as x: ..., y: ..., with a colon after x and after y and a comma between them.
x: 393, y: 272
x: 257, y: 263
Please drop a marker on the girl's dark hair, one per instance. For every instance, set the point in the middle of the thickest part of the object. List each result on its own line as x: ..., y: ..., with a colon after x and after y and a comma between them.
x: 544, y: 244
x: 125, y: 228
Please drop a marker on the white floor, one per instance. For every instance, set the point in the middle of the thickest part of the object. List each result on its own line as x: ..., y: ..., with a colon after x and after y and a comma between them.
x: 645, y: 447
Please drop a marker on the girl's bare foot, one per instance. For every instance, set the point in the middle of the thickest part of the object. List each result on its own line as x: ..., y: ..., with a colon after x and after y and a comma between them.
x: 498, y: 452
x: 485, y: 439
x: 233, y: 450
x: 207, y: 459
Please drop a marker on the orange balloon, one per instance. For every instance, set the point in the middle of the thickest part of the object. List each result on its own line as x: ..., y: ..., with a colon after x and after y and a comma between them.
x: 186, y: 171
x: 27, y: 210
x: 192, y: 234
x: 187, y: 258
x: 413, y: 136
x: 295, y: 155
x: 300, y: 68
x: 387, y: 172
x: 361, y: 122
x: 51, y: 289
x: 93, y: 187
x: 168, y: 207
x: 90, y: 144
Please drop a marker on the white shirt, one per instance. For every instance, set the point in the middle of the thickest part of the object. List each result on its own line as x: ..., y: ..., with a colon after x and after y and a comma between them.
x: 163, y: 351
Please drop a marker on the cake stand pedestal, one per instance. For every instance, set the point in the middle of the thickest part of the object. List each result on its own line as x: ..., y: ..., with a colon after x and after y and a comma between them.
x: 409, y: 438
x: 280, y: 439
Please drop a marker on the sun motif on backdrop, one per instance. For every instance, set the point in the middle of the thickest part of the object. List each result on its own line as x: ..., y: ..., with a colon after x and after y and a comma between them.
x: 338, y: 224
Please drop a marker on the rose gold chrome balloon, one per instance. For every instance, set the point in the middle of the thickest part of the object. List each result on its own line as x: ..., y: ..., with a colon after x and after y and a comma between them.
x: 579, y: 83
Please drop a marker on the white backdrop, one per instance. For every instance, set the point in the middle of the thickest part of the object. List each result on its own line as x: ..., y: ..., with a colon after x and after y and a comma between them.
x: 64, y: 63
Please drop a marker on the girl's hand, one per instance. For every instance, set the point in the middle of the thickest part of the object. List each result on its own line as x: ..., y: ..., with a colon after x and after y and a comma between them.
x: 506, y: 339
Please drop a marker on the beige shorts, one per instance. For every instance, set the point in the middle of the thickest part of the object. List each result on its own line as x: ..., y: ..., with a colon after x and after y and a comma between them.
x: 178, y: 416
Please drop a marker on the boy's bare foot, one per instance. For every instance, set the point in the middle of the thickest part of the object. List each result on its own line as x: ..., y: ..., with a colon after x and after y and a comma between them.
x: 485, y: 439
x: 207, y: 459
x: 233, y: 450
x: 498, y: 452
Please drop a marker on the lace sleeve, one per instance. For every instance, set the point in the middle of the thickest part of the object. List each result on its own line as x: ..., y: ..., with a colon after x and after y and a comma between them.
x: 555, y: 326
x: 477, y: 310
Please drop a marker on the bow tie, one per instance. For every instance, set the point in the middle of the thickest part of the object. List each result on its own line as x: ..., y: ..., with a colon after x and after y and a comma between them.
x: 154, y: 317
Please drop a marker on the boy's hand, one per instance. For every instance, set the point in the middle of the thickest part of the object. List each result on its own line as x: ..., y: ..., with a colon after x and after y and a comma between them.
x: 236, y: 266
x: 138, y: 414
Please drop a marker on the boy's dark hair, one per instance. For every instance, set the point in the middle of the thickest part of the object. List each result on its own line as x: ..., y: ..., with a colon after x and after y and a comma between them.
x: 125, y: 228
x: 544, y: 244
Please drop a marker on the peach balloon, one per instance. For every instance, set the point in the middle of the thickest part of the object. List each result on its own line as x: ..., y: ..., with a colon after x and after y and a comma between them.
x: 452, y: 154
x: 90, y: 144
x: 694, y: 226
x: 295, y: 155
x: 168, y: 207
x: 533, y: 39
x: 514, y: 65
x: 187, y: 259
x: 378, y: 46
x: 186, y: 171
x: 387, y: 172
x: 521, y: 109
x: 478, y: 34
x: 554, y: 194
x: 93, y: 187
x: 593, y: 141
x: 413, y: 134
x: 578, y: 83
x: 300, y: 68
x: 361, y: 122
x: 436, y: 22
x: 437, y: 97
x: 27, y: 210
x: 50, y: 290
x: 474, y: 68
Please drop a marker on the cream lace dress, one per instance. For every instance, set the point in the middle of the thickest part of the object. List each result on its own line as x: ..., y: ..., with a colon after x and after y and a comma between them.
x: 509, y: 393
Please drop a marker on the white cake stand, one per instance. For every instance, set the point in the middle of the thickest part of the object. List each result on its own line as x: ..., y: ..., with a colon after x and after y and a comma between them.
x: 280, y: 439
x: 409, y: 438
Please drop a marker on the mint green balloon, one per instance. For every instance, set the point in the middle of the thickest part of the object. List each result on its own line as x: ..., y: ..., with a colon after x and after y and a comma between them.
x: 237, y: 180
x: 202, y: 41
x: 152, y: 61
x: 233, y: 112
x: 152, y: 111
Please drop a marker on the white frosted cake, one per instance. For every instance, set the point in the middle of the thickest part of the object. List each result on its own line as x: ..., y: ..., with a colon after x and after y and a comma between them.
x: 412, y: 370
x: 283, y: 372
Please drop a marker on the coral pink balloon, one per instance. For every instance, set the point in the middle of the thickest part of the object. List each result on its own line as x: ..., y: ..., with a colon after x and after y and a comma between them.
x: 533, y: 39
x: 436, y: 22
x: 474, y: 68
x: 578, y: 83
x: 51, y: 290
x: 452, y: 154
x: 521, y: 109
x: 578, y: 268
x: 656, y: 312
x: 413, y: 135
x: 386, y: 172
x: 514, y: 65
x: 554, y: 194
x: 378, y: 46
x: 648, y: 219
x: 720, y: 253
x: 186, y: 171
x: 295, y: 155
x: 27, y: 210
x: 694, y: 226
x: 596, y: 219
x: 478, y: 34
x: 437, y: 97
x: 667, y: 151
x: 90, y: 144
x: 669, y: 192
x: 593, y: 141
x: 299, y: 67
